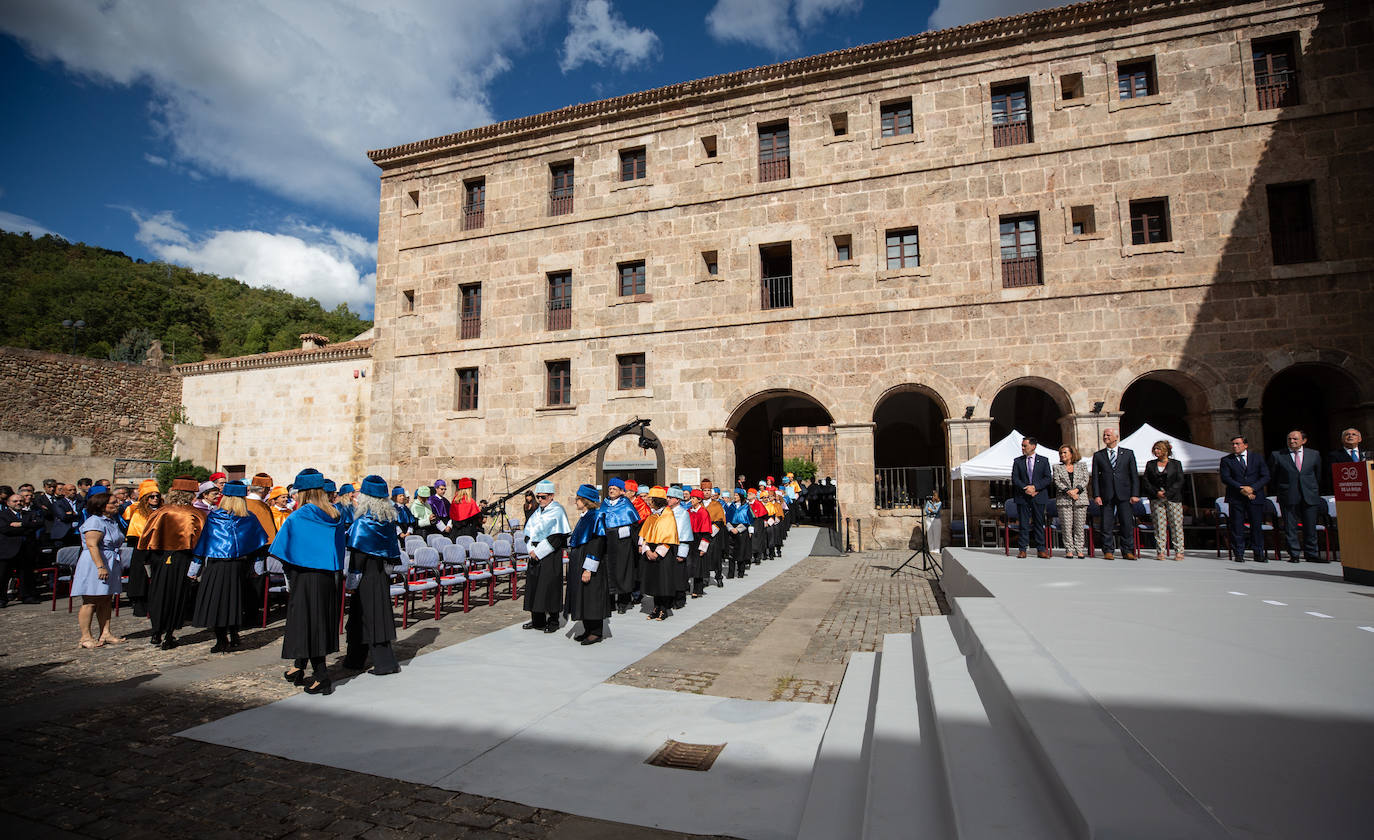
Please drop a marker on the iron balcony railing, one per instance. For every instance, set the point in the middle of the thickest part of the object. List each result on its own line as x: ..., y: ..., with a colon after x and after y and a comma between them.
x: 777, y: 292
x: 906, y: 487
x: 1020, y: 271
x: 1277, y: 90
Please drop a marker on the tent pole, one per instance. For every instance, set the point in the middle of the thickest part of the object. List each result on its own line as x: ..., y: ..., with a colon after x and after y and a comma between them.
x: 964, y: 483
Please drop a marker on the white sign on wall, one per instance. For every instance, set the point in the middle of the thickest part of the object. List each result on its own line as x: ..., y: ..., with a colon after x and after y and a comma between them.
x: 690, y: 476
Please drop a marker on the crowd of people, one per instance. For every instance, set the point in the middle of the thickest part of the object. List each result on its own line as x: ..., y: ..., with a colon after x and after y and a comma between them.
x: 1114, y: 484
x: 199, y: 553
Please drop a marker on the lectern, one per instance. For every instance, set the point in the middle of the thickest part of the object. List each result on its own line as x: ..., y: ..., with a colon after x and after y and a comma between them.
x: 1355, y: 517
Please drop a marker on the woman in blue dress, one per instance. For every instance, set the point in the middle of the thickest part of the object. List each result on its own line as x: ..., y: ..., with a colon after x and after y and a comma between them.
x: 310, y: 545
x: 231, y: 534
x: 98, y: 570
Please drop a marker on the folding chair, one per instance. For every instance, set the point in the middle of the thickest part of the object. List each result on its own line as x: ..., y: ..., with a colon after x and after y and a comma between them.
x: 1223, y: 529
x: 503, y: 564
x: 463, y: 540
x: 453, y: 567
x: 273, y: 583
x: 1010, y: 517
x: 1144, y: 524
x: 425, y: 574
x: 1330, y: 527
x: 64, y: 567
x: 438, y: 542
x: 414, y: 542
x: 486, y: 538
x: 479, y: 569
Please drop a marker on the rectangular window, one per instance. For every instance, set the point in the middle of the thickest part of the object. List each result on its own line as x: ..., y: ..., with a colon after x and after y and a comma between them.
x: 1011, y: 114
x: 1276, y: 72
x: 1290, y: 223
x: 560, y: 300
x: 470, y: 318
x: 708, y: 145
x: 775, y: 161
x: 560, y: 382
x: 844, y: 247
x: 474, y: 203
x: 412, y: 201
x: 630, y: 371
x: 712, y: 263
x: 466, y: 390
x: 903, y: 248
x: 1083, y: 220
x: 633, y: 164
x: 631, y: 278
x: 407, y: 302
x: 896, y: 117
x: 1020, y: 244
x: 1071, y: 86
x: 839, y: 123
x: 775, y: 262
x: 1135, y: 79
x: 561, y: 191
x: 1150, y: 221
x: 235, y: 472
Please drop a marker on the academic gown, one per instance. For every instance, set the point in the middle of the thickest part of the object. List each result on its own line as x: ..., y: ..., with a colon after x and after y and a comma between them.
x: 617, y: 521
x: 169, y: 536
x: 371, y: 619
x: 546, y: 532
x: 716, y: 552
x: 586, y: 548
x: 140, y: 565
x: 226, y: 542
x: 310, y: 546
x: 659, y: 534
x: 684, y: 548
x: 466, y: 517
x: 698, y: 561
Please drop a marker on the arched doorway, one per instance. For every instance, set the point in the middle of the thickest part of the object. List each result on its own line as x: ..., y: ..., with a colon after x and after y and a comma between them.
x: 1164, y: 400
x: 1032, y: 407
x: 624, y: 458
x: 910, y: 455
x: 758, y: 425
x: 1319, y: 399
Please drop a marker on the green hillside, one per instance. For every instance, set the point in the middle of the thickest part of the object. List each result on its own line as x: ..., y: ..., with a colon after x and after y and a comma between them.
x: 126, y: 304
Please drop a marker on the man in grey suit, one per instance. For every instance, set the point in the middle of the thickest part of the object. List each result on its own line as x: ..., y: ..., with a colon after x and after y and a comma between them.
x: 1116, y: 487
x: 1296, y: 474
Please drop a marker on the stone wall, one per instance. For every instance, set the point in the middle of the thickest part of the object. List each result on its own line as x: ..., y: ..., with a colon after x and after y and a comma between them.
x: 1207, y: 310
x: 814, y: 443
x: 68, y: 416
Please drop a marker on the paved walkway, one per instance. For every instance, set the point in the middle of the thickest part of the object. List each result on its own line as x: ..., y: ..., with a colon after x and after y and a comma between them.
x: 90, y: 745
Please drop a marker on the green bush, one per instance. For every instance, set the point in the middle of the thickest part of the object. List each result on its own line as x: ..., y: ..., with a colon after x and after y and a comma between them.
x: 800, y: 468
x: 177, y: 468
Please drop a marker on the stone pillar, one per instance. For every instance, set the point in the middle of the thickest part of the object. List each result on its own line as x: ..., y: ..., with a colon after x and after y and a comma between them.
x: 854, y: 474
x: 1228, y: 422
x: 1087, y: 429
x: 723, y: 458
x: 966, y: 439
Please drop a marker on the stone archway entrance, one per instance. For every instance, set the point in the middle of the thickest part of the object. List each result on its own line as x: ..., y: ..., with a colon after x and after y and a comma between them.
x: 1033, y: 407
x: 758, y: 425
x: 1319, y: 399
x: 623, y: 458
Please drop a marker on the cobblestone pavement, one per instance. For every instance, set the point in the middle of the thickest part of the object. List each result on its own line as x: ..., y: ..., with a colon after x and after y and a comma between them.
x: 89, y: 745
x: 871, y: 602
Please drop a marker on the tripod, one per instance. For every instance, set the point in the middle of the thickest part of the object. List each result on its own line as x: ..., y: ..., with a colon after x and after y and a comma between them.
x: 928, y: 561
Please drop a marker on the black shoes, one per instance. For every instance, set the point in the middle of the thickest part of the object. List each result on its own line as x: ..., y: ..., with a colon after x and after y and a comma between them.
x: 220, y: 647
x: 591, y: 640
x: 155, y: 640
x: 295, y: 676
x: 720, y: 582
x: 530, y: 625
x: 169, y: 642
x: 551, y: 628
x: 579, y: 637
x: 380, y: 673
x: 320, y: 685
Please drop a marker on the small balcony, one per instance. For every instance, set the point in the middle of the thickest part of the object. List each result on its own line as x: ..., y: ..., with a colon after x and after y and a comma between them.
x: 777, y: 292
x: 474, y: 217
x: 470, y: 326
x: 1021, y: 271
x: 560, y: 315
x: 1276, y: 90
x: 775, y: 170
x: 560, y: 202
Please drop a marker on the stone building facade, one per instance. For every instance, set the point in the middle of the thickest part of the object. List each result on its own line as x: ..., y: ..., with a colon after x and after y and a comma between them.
x: 1127, y: 209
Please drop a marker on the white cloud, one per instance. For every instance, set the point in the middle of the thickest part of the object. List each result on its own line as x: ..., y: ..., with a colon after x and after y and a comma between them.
x: 15, y: 223
x: 597, y: 35
x: 959, y: 12
x: 290, y: 96
x: 775, y: 25
x: 324, y: 263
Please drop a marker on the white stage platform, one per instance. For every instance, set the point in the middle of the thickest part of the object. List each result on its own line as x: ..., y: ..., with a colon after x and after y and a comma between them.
x: 524, y: 716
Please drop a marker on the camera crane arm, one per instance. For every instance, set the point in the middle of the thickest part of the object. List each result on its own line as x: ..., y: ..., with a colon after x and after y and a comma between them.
x: 637, y: 425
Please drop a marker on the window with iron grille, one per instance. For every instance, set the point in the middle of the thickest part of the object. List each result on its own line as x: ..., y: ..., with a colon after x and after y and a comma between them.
x: 1291, y: 225
x: 561, y: 191
x: 470, y: 316
x: 1276, y: 72
x: 775, y: 263
x: 560, y: 382
x: 1020, y: 244
x: 1135, y: 79
x: 896, y: 117
x: 474, y: 203
x: 1150, y: 221
x: 560, y: 300
x: 631, y: 278
x: 630, y: 371
x: 774, y: 152
x: 467, y: 389
x: 903, y: 249
x: 1011, y: 114
x: 633, y: 164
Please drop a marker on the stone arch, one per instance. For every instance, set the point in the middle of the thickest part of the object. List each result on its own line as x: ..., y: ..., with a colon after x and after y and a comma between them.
x: 910, y: 445
x: 1200, y: 383
x: 784, y: 385
x: 937, y: 387
x: 1280, y: 359
x: 1318, y: 391
x: 660, y: 457
x: 1072, y: 395
x: 1050, y: 428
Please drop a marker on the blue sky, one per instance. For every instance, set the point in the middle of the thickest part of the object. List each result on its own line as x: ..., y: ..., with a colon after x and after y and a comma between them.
x: 231, y: 136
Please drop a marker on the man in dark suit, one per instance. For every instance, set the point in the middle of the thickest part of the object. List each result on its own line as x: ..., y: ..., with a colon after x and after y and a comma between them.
x: 1244, y: 473
x: 1297, y: 471
x: 1350, y: 448
x: 1116, y: 488
x: 1030, y: 475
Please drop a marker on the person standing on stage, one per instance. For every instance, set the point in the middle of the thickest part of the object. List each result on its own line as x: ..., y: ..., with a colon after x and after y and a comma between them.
x: 546, y: 532
x: 618, y: 521
x: 372, y: 551
x: 169, y: 537
x: 230, y: 537
x: 658, y: 543
x: 1115, y: 483
x: 310, y: 546
x: 588, y: 593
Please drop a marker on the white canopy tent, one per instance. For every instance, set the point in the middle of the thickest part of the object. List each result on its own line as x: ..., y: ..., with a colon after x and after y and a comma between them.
x: 1194, y: 457
x: 994, y: 464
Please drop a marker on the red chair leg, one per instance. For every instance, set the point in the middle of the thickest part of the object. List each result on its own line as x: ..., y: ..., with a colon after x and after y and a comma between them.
x: 491, y: 591
x: 116, y: 600
x: 438, y: 600
x: 54, y: 583
x: 467, y: 594
x: 1092, y: 549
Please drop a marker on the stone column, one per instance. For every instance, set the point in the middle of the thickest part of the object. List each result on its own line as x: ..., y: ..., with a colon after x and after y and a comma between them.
x: 723, y: 458
x: 966, y: 439
x: 1087, y: 429
x: 1227, y: 422
x: 854, y: 473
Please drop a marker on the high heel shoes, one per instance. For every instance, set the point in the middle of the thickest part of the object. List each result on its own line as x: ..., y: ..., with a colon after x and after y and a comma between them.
x: 320, y: 686
x: 296, y: 676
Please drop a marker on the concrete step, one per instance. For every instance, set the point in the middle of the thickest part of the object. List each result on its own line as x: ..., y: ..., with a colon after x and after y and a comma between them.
x: 995, y: 787
x: 1104, y: 782
x: 835, y: 801
x: 905, y: 791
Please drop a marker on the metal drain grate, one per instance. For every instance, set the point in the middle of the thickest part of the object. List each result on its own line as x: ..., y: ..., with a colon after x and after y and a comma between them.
x: 830, y: 580
x: 680, y: 756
